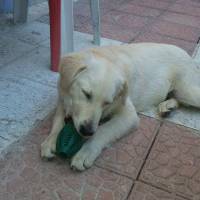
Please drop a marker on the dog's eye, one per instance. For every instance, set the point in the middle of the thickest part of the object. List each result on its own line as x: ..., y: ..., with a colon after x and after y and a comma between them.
x: 106, y: 103
x: 87, y: 95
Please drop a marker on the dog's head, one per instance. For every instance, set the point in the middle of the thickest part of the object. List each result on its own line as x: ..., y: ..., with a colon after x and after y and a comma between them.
x: 91, y: 89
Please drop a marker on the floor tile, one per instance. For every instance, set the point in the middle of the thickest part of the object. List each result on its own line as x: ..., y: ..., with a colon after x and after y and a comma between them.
x: 10, y: 49
x: 35, y: 2
x: 120, y: 18
x: 139, y: 10
x: 37, y: 10
x: 173, y: 163
x: 83, y: 9
x: 82, y: 23
x: 113, y: 31
x: 141, y: 191
x: 111, y: 4
x: 155, y: 37
x: 44, y: 19
x: 194, y: 3
x: 175, y: 30
x: 184, y: 19
x: 128, y: 154
x: 35, y: 66
x: 25, y: 176
x: 154, y: 3
x: 31, y: 33
x: 120, y: 33
x: 186, y: 7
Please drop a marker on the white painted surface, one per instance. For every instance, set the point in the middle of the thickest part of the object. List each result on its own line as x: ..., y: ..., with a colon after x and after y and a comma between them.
x: 67, y: 27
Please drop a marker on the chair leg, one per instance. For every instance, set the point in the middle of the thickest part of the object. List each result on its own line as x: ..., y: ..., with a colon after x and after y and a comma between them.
x: 54, y: 15
x: 67, y: 27
x: 95, y: 12
x: 20, y: 11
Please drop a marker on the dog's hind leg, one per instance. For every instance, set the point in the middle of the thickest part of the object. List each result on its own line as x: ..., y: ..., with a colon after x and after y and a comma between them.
x: 188, y: 94
x: 165, y: 108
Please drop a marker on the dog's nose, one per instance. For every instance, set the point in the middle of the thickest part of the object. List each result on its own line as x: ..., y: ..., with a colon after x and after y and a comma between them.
x: 86, y: 130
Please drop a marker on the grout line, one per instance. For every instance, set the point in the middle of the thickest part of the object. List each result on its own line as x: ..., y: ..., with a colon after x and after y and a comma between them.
x: 123, y: 175
x: 193, y: 130
x: 163, y: 189
x: 130, y: 191
x: 149, y: 149
x: 177, y: 12
x: 165, y: 120
x: 147, y: 155
x: 169, y: 36
x: 174, y: 37
x: 120, y: 174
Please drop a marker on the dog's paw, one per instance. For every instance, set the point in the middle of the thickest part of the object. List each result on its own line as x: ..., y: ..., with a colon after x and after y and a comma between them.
x: 84, y: 159
x: 48, y: 149
x: 166, y: 107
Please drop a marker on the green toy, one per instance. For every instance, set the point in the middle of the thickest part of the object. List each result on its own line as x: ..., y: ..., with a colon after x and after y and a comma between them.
x: 69, y: 141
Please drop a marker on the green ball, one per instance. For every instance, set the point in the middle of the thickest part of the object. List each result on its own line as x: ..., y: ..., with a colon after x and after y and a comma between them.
x: 69, y: 142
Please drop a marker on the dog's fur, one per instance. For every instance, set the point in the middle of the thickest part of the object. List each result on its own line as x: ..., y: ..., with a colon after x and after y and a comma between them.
x: 116, y: 82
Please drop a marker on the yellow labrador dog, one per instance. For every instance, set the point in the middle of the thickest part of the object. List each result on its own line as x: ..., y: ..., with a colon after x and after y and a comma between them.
x: 102, y: 89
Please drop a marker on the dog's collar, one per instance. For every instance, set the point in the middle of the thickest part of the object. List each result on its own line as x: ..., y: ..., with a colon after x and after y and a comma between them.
x: 102, y: 121
x: 68, y: 119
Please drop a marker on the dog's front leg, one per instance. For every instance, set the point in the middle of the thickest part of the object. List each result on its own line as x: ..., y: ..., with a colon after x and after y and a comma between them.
x: 48, y: 147
x: 123, y: 121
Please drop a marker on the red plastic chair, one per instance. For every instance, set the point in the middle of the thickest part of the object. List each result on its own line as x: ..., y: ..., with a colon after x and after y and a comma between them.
x: 62, y: 27
x: 55, y: 32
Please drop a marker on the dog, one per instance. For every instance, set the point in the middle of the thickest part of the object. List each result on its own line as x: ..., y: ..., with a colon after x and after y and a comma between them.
x: 102, y: 90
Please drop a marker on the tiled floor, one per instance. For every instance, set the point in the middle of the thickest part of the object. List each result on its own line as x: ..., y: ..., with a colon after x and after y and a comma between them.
x: 160, y: 161
x: 173, y: 163
x: 128, y: 154
x: 172, y: 21
x: 25, y: 176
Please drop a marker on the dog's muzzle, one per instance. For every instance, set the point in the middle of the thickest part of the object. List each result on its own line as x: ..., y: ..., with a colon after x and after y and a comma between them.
x: 86, y: 130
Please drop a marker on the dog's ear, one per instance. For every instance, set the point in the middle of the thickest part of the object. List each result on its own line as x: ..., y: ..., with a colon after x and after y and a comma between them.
x: 122, y: 91
x: 70, y: 68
